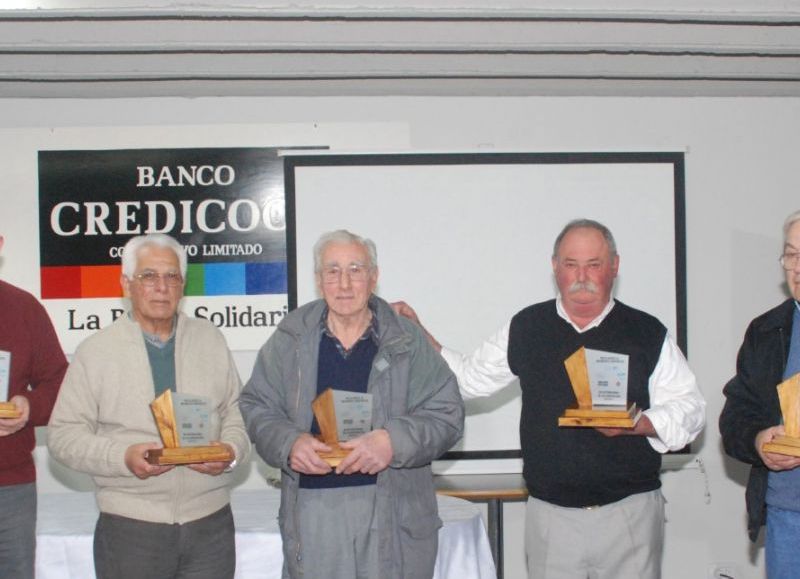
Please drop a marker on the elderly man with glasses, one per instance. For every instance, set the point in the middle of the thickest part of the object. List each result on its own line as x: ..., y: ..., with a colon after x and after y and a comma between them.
x: 375, y: 513
x: 751, y: 417
x: 155, y: 521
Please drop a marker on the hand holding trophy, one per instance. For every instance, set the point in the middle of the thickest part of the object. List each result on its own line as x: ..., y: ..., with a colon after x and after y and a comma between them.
x: 600, y: 382
x: 7, y: 409
x: 183, y: 421
x: 789, y: 396
x: 341, y: 416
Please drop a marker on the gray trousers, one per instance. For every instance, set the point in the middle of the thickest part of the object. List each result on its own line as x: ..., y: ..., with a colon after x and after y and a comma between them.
x: 131, y: 549
x: 622, y: 540
x: 18, y: 530
x: 337, y: 533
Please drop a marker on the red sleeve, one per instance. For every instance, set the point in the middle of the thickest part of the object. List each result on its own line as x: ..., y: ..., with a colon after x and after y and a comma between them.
x: 47, y: 368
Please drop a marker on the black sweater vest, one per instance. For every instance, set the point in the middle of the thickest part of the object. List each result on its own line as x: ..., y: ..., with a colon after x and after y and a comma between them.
x: 578, y: 467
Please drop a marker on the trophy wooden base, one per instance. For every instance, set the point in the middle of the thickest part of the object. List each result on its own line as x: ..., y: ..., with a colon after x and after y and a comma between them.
x: 783, y: 445
x: 617, y: 417
x: 335, y: 456
x: 9, y: 410
x: 188, y: 455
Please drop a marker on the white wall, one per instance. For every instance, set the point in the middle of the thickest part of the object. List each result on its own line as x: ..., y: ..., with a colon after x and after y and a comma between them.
x: 741, y: 180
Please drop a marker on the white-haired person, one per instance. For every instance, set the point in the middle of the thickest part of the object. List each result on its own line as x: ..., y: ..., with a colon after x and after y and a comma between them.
x: 770, y: 354
x: 155, y: 521
x: 375, y: 514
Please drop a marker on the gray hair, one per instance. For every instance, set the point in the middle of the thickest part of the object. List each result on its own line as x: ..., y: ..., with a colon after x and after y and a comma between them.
x: 130, y: 253
x: 588, y: 224
x: 793, y: 218
x: 345, y: 237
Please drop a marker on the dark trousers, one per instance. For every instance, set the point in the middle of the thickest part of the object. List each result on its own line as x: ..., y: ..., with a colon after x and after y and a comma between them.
x: 131, y: 549
x: 17, y: 530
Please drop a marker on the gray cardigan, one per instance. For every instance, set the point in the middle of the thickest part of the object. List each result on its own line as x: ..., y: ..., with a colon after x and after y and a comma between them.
x: 415, y: 398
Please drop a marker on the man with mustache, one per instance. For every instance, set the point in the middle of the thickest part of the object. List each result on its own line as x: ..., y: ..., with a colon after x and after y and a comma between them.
x: 595, y: 508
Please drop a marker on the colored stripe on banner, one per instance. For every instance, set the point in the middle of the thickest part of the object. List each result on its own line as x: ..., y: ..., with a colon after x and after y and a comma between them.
x: 81, y: 281
x: 209, y: 279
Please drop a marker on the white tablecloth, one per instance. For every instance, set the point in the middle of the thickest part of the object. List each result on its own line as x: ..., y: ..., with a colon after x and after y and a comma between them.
x: 66, y: 524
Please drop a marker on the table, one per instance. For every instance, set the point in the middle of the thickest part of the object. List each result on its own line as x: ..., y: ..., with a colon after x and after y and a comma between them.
x: 65, y: 528
x: 494, y: 490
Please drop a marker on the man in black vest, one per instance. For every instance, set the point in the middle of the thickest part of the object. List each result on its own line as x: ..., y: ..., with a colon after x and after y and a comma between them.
x: 595, y: 507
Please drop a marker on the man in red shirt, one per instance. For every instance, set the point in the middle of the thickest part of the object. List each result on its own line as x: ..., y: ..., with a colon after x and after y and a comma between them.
x: 32, y: 362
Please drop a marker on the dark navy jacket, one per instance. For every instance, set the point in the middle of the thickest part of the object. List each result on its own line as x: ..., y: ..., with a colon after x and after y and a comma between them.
x: 752, y: 401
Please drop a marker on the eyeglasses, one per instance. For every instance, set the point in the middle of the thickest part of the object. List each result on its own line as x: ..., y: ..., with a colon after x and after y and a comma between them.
x: 150, y: 278
x: 355, y: 272
x: 789, y: 260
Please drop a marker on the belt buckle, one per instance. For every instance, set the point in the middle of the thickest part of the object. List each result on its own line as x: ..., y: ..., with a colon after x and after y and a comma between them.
x: 591, y: 507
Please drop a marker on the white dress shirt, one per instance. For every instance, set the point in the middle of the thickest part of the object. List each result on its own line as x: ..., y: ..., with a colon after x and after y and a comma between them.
x: 677, y: 408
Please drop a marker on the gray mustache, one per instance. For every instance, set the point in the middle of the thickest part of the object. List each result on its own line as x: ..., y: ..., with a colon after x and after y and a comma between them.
x: 578, y: 286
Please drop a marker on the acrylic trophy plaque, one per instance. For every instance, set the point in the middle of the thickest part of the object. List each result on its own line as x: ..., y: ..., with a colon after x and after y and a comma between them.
x: 7, y: 409
x: 789, y: 396
x: 600, y: 383
x: 184, y: 423
x: 341, y: 416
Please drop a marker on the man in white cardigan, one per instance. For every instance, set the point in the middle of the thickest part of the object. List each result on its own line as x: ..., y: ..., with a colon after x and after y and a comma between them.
x: 155, y: 521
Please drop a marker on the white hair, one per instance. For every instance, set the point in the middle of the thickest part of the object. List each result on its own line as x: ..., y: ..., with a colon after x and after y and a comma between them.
x: 793, y: 218
x: 130, y: 253
x: 345, y: 237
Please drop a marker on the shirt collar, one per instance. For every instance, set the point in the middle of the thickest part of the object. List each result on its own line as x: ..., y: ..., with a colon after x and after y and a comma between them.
x: 154, y: 339
x: 370, y: 332
x: 593, y: 324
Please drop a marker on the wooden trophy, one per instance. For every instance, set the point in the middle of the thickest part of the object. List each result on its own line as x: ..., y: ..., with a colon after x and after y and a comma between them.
x: 789, y: 396
x: 614, y: 411
x: 7, y: 409
x: 185, y: 440
x: 341, y: 416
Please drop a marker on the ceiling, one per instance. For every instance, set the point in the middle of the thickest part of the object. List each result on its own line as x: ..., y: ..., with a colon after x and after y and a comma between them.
x: 94, y: 48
